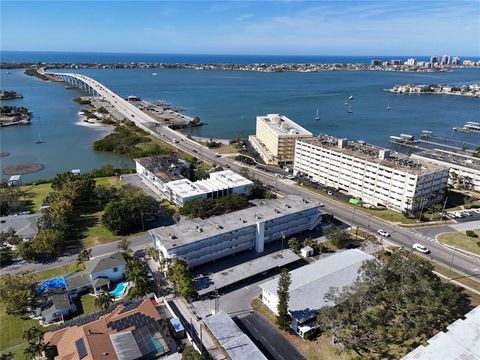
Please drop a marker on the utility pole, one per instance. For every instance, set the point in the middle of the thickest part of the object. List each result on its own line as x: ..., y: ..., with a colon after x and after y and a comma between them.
x: 444, y: 205
x: 451, y: 263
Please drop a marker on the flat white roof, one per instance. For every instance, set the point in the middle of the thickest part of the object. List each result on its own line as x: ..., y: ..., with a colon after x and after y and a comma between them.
x: 310, y: 283
x: 282, y: 125
x: 461, y: 341
x: 235, y: 342
x: 15, y: 177
x: 217, y: 181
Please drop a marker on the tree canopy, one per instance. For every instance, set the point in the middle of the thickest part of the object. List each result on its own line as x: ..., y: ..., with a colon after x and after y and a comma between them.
x: 181, y: 277
x: 284, y: 281
x: 393, y: 306
x: 126, y: 215
x: 16, y: 292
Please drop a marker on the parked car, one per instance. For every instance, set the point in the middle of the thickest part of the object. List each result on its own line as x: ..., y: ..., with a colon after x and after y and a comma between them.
x: 383, y: 233
x: 150, y: 276
x: 477, y: 211
x: 420, y: 248
x: 467, y: 213
x: 321, y: 205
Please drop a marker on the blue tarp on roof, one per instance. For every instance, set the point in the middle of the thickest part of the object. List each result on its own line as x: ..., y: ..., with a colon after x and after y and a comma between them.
x: 53, y: 283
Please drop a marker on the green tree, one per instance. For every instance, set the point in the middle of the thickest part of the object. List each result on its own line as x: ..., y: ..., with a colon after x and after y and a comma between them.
x: 181, y: 277
x: 11, y: 199
x: 152, y: 253
x: 84, y: 256
x: 245, y: 172
x: 16, y: 291
x: 284, y: 281
x: 294, y: 245
x: 43, y: 244
x: 126, y: 215
x: 9, y: 237
x: 136, y: 273
x: 104, y: 300
x: 189, y: 353
x: 338, y: 237
x: 124, y: 245
x: 7, y: 356
x: 34, y: 339
x: 393, y: 306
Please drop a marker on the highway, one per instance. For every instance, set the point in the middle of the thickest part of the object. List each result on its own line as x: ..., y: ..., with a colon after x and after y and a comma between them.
x: 468, y: 266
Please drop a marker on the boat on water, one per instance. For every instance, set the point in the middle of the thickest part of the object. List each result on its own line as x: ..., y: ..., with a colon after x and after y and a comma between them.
x: 40, y: 140
x: 349, y: 109
x: 350, y: 97
x: 317, y: 116
x: 345, y: 103
x: 388, y: 107
x: 154, y: 74
x: 469, y: 127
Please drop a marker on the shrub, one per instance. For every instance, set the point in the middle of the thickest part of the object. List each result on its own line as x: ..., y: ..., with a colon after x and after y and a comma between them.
x: 471, y: 233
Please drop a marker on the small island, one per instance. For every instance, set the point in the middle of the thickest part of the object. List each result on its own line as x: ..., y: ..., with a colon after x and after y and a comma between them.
x: 10, y: 95
x: 472, y: 90
x: 13, y: 115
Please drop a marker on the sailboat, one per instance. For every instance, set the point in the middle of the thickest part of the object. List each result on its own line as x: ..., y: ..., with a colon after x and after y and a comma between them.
x: 317, y: 116
x: 388, y: 107
x: 350, y: 109
x: 39, y: 141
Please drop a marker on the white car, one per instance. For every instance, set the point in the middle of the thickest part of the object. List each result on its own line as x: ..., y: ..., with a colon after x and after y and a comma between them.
x: 150, y: 276
x: 420, y: 248
x: 477, y: 211
x: 383, y: 233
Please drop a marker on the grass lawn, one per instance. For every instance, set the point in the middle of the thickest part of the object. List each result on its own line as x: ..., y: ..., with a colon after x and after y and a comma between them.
x: 37, y: 193
x: 227, y: 149
x: 457, y: 277
x: 462, y: 241
x: 318, y: 349
x: 108, y: 181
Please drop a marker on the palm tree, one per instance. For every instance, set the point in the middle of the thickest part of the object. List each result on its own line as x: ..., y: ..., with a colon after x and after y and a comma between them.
x: 136, y: 274
x: 152, y: 253
x: 104, y: 300
x: 35, y: 346
x: 84, y: 256
x: 7, y: 356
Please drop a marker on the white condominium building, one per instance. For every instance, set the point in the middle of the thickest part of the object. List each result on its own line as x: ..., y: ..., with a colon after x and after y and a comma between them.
x: 200, y: 241
x: 164, y: 174
x: 275, y: 137
x: 463, y: 169
x: 375, y: 175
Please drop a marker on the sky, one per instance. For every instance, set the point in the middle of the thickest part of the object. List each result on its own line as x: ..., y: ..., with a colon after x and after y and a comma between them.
x: 288, y: 27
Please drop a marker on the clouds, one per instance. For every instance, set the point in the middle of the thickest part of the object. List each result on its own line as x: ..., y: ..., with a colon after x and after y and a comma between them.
x: 262, y: 27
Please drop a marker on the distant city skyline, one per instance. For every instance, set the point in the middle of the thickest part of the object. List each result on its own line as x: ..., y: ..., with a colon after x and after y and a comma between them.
x: 358, y: 28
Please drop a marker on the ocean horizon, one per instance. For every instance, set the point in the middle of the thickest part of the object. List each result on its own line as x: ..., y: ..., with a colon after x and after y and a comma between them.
x: 122, y: 57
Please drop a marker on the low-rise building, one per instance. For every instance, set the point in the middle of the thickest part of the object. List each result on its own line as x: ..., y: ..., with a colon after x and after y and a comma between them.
x: 463, y: 169
x: 200, y: 241
x: 311, y: 283
x: 275, y: 137
x: 219, y: 184
x: 128, y: 331
x: 165, y: 175
x: 377, y: 176
x: 234, y: 341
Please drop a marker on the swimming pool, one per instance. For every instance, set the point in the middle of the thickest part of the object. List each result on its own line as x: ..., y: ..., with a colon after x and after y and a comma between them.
x: 119, y: 290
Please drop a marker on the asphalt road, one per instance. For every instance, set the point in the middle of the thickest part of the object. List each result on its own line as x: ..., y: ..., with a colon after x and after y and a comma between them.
x: 400, y: 236
x: 268, y: 339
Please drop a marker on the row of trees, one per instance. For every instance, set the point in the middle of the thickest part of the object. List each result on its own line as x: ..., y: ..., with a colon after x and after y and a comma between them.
x: 208, y: 207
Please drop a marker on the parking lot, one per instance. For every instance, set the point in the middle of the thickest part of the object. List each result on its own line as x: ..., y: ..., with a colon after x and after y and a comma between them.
x: 462, y: 216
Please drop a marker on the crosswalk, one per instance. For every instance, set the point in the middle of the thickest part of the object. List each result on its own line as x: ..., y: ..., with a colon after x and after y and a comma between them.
x: 424, y: 237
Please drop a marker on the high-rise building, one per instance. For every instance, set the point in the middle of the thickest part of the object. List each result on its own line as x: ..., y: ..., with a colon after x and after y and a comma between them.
x: 410, y: 62
x: 375, y: 175
x: 376, y: 62
x: 434, y: 60
x: 456, y: 60
x: 275, y: 138
x: 445, y: 60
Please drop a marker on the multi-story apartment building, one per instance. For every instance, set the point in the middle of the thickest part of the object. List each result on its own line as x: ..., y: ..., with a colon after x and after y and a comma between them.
x: 164, y: 174
x: 375, y: 175
x: 200, y: 241
x: 275, y: 138
x: 464, y: 169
